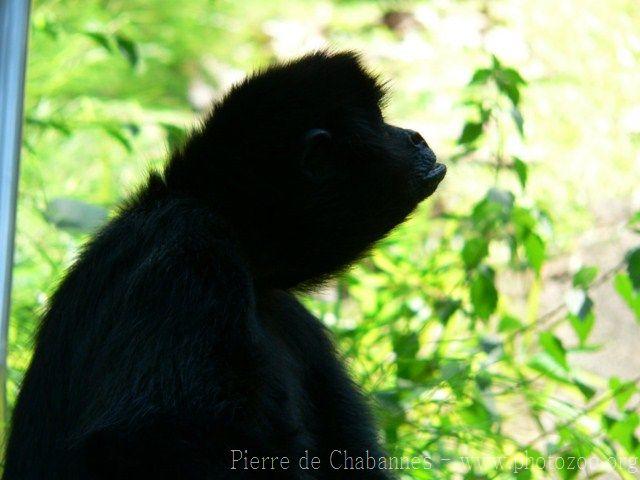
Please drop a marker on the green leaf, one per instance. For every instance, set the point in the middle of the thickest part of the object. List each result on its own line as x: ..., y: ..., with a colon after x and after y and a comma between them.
x: 406, y: 347
x: 511, y: 90
x: 392, y: 414
x: 44, y: 24
x: 634, y: 222
x: 128, y: 49
x: 623, y: 431
x: 534, y: 249
x: 553, y: 346
x: 509, y: 323
x: 633, y: 267
x: 477, y: 414
x: 481, y: 76
x: 622, y: 391
x: 483, y: 380
x: 470, y: 133
x: 502, y: 197
x: 586, y: 390
x: 585, y: 277
x: 446, y: 308
x: 522, y: 170
x: 581, y: 314
x: 513, y: 76
x: 455, y: 369
x: 132, y: 128
x: 101, y: 39
x: 566, y: 464
x: 495, y: 208
x: 474, y: 251
x: 120, y: 136
x: 484, y: 296
x: 416, y: 369
x: 582, y: 325
x: 489, y: 344
x: 516, y: 115
x: 579, y: 303
x: 176, y: 136
x: 549, y: 367
x: 523, y: 221
x: 624, y: 287
x: 75, y: 215
x: 49, y: 123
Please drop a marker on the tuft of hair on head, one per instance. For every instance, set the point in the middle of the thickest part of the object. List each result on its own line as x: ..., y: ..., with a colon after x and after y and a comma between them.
x: 317, y: 89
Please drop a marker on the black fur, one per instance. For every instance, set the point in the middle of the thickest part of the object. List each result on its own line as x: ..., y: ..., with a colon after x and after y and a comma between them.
x: 176, y: 337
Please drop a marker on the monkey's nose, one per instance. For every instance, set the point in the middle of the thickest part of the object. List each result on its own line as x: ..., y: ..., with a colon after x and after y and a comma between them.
x: 416, y: 139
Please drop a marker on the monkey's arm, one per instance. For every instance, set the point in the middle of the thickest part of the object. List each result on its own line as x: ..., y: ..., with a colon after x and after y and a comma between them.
x: 177, y: 380
x: 343, y: 414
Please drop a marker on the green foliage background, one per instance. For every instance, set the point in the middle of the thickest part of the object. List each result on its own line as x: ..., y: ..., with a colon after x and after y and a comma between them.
x: 448, y: 325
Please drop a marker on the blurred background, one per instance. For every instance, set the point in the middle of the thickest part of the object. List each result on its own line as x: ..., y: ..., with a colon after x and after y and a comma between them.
x: 498, y: 331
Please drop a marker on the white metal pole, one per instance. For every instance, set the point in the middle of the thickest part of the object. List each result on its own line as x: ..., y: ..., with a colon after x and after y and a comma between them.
x: 14, y: 27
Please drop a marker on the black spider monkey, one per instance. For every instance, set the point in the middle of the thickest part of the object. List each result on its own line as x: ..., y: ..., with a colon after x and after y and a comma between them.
x: 175, y: 344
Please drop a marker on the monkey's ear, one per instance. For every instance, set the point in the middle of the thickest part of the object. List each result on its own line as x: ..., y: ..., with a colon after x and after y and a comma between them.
x: 317, y: 161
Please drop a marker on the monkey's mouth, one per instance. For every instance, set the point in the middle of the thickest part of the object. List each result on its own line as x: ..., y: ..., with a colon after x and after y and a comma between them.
x: 429, y: 175
x: 437, y: 172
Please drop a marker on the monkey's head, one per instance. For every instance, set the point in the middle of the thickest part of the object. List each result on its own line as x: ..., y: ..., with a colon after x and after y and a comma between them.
x: 302, y: 164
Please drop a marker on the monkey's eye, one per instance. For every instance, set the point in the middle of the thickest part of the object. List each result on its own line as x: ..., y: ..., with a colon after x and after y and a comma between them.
x: 316, y: 157
x: 316, y: 135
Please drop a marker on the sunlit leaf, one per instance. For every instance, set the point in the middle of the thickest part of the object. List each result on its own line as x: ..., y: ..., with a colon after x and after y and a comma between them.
x: 176, y: 136
x: 483, y: 380
x: 477, y: 414
x: 633, y: 268
x: 391, y: 413
x: 474, y: 251
x: 101, y: 39
x: 509, y: 323
x: 406, y: 345
x: 553, y: 346
x: 481, y: 76
x: 582, y: 325
x: 58, y: 125
x: 587, y: 390
x: 584, y: 277
x: 511, y: 90
x: 523, y: 221
x: 549, y: 367
x: 501, y: 196
x: 634, y: 222
x: 512, y: 76
x: 624, y: 287
x: 489, y: 344
x: 534, y: 248
x: 623, y: 430
x: 75, y: 215
x: 516, y: 115
x: 484, y: 296
x: 470, y: 132
x: 579, y: 303
x: 119, y: 135
x: 128, y: 49
x: 622, y: 391
x: 522, y: 170
x: 446, y: 308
